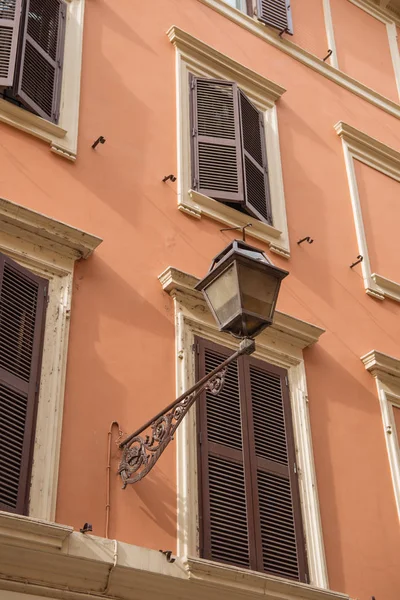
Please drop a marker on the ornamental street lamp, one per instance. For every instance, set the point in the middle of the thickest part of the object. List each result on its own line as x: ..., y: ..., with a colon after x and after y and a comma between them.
x: 241, y: 290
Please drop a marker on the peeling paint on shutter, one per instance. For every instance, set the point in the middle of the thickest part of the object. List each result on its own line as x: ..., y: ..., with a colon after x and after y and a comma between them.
x: 10, y: 17
x: 216, y: 157
x: 40, y: 71
x: 276, y: 13
x: 22, y: 311
x: 257, y: 194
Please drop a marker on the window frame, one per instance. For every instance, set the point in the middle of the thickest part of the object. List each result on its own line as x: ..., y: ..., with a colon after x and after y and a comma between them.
x: 386, y: 371
x: 280, y: 345
x: 193, y: 56
x: 63, y: 137
x: 49, y: 249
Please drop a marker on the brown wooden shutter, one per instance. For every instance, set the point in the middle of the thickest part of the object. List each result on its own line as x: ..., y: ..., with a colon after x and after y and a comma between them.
x: 250, y: 513
x: 10, y: 17
x: 40, y: 71
x: 217, y: 157
x: 22, y: 312
x: 276, y: 493
x: 257, y: 194
x: 224, y: 530
x: 276, y: 13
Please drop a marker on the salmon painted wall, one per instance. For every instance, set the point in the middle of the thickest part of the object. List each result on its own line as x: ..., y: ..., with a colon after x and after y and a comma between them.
x: 121, y: 360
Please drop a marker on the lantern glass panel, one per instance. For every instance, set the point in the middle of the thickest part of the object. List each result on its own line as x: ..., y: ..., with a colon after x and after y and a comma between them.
x: 223, y: 295
x: 258, y: 290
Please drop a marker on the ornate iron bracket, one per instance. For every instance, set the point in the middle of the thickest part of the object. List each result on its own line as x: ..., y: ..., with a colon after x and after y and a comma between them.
x: 141, y: 452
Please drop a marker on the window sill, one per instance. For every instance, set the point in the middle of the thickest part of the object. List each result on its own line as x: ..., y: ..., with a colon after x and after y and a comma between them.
x: 245, y: 581
x: 271, y: 36
x: 197, y: 205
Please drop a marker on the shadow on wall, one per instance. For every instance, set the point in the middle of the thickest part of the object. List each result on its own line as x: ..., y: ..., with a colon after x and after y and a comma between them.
x: 110, y: 364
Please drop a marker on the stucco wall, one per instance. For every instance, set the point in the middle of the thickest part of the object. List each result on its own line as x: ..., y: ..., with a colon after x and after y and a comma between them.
x: 121, y: 363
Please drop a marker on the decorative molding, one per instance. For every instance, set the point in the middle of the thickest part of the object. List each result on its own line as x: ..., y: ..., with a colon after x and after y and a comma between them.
x: 386, y: 370
x: 46, y: 231
x: 49, y: 249
x: 191, y: 46
x: 386, y: 160
x: 25, y: 532
x: 63, y: 138
x: 271, y: 36
x: 281, y: 344
x: 193, y: 56
x: 382, y: 365
x: 295, y: 331
x: 377, y: 11
x: 86, y: 566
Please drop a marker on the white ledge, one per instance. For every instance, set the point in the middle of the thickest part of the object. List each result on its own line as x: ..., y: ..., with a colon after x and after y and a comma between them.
x: 268, y: 586
x: 297, y: 332
x: 382, y: 365
x: 90, y: 565
x: 45, y: 231
x: 190, y: 45
x: 271, y: 36
x: 16, y: 530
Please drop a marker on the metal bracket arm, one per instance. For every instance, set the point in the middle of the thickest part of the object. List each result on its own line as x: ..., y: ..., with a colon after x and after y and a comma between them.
x: 141, y: 452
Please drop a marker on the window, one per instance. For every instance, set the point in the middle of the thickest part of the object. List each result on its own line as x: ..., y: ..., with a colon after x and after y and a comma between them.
x: 31, y: 68
x: 250, y: 513
x: 23, y: 298
x: 275, y: 13
x: 229, y: 161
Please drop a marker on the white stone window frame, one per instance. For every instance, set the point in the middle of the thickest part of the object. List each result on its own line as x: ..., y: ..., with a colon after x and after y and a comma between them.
x: 49, y: 249
x: 281, y: 345
x: 386, y: 371
x: 193, y: 56
x: 386, y: 160
x: 63, y: 137
x: 391, y: 21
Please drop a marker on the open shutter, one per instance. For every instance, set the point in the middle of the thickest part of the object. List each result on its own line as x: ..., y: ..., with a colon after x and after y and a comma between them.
x: 10, y: 17
x: 224, y: 514
x: 40, y: 71
x: 257, y: 194
x: 22, y: 311
x: 276, y: 497
x: 276, y: 13
x: 217, y: 157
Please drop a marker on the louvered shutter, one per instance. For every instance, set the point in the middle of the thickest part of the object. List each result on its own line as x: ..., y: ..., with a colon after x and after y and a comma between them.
x: 225, y: 512
x: 217, y: 158
x: 10, y: 17
x: 22, y: 310
x: 276, y: 13
x: 257, y: 194
x: 40, y: 71
x: 276, y: 494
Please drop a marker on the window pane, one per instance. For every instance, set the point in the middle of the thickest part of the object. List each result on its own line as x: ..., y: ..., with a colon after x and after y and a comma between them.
x: 240, y: 4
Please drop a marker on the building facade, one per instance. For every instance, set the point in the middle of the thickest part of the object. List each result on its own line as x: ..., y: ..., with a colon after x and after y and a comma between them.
x: 198, y: 118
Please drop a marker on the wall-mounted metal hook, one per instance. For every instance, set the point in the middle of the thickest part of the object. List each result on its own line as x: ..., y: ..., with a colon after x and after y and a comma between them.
x: 86, y: 528
x: 100, y: 140
x: 242, y: 229
x: 328, y: 55
x: 359, y: 259
x: 171, y: 177
x: 168, y: 555
x: 306, y: 239
x: 284, y: 30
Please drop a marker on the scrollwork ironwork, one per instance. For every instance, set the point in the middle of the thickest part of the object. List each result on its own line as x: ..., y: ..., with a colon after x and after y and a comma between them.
x: 140, y: 452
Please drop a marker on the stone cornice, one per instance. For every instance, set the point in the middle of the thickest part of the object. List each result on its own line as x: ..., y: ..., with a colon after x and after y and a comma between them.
x: 190, y: 45
x: 45, y: 231
x: 297, y: 332
x: 382, y: 366
x: 86, y: 566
